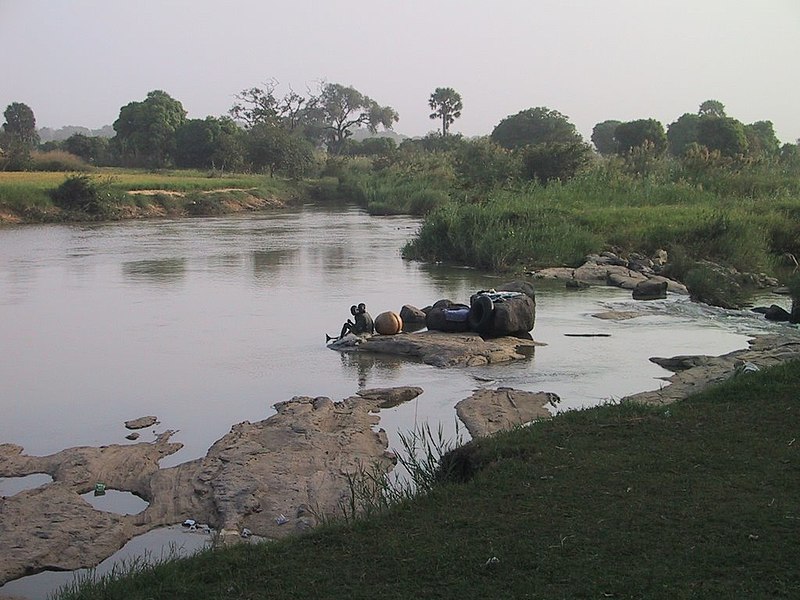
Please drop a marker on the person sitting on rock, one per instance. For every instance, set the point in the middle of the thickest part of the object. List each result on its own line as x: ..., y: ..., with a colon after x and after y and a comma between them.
x: 361, y: 323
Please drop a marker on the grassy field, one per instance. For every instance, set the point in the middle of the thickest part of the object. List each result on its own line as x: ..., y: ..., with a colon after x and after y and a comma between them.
x: 24, y: 196
x: 700, y: 499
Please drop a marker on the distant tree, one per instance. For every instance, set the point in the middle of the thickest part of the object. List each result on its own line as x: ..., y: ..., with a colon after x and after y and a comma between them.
x: 92, y: 149
x: 761, y: 140
x: 276, y: 150
x: 19, y: 135
x: 790, y: 155
x: 483, y: 163
x: 555, y: 160
x: 373, y: 146
x: 603, y: 137
x: 534, y: 126
x: 446, y: 105
x: 634, y: 134
x: 337, y: 109
x: 711, y: 108
x: 724, y: 134
x: 682, y: 133
x: 208, y: 143
x: 146, y: 130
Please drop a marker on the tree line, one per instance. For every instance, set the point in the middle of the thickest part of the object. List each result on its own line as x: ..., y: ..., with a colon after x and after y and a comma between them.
x: 266, y: 131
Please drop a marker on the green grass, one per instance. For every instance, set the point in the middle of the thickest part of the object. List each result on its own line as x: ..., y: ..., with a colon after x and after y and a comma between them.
x: 700, y: 499
x: 25, y: 195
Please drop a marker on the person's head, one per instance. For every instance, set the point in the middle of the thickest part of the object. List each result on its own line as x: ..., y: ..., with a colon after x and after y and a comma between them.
x: 362, y: 308
x: 353, y: 310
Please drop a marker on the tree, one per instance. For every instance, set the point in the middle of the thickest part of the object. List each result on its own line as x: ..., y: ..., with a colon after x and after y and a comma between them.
x: 92, y: 149
x: 208, y: 143
x: 146, y: 130
x: 682, y: 133
x: 724, y: 134
x: 338, y: 108
x: 446, y: 105
x: 554, y: 160
x: 482, y: 163
x: 761, y: 139
x: 261, y: 105
x: 278, y: 151
x: 634, y: 134
x: 19, y: 135
x: 603, y: 137
x: 534, y: 126
x: 711, y: 108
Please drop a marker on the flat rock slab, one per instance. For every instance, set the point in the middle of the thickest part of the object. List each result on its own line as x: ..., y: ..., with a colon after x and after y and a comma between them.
x: 141, y: 422
x: 489, y: 411
x: 442, y: 349
x: 272, y: 477
x: 692, y: 374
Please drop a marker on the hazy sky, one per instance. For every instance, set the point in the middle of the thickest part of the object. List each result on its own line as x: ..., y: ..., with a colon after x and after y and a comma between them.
x: 76, y: 62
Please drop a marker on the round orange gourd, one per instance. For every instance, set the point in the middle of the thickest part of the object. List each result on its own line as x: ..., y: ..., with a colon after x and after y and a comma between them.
x: 388, y: 323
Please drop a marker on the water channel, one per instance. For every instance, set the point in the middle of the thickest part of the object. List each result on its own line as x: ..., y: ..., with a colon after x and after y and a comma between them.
x: 208, y: 322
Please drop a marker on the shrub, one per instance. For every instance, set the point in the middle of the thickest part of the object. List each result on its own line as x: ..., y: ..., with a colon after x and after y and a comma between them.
x: 82, y: 193
x: 57, y: 160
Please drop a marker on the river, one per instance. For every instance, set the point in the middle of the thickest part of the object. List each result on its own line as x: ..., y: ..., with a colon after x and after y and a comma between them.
x: 208, y: 322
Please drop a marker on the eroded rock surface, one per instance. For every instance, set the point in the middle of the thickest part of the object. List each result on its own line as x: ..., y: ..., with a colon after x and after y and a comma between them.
x: 270, y: 477
x: 141, y: 422
x: 488, y: 411
x: 692, y: 374
x: 442, y: 349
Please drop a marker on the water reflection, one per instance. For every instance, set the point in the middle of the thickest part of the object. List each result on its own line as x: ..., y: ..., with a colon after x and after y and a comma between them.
x: 270, y: 263
x: 165, y: 270
x: 364, y: 367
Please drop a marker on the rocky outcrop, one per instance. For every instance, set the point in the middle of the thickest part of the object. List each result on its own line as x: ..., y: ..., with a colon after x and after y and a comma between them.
x: 442, y: 349
x: 271, y: 477
x: 488, y: 411
x: 693, y: 374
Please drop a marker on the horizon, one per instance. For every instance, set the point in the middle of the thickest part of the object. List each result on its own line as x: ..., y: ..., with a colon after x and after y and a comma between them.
x: 624, y: 60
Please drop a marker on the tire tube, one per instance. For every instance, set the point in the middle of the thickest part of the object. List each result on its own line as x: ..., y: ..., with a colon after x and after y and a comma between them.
x: 481, y: 313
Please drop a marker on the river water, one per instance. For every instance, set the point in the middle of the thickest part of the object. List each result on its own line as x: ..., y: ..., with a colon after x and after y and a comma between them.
x: 208, y: 322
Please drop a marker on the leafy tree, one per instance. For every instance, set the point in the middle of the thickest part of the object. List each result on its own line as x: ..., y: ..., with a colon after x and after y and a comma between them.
x: 712, y: 108
x: 761, y: 139
x: 337, y: 109
x: 554, y: 160
x: 19, y: 135
x: 146, y: 130
x: 682, y: 133
x: 276, y: 150
x: 446, y: 105
x: 534, y: 126
x: 482, y: 163
x: 603, y: 137
x: 634, y: 134
x: 208, y: 143
x: 92, y: 149
x: 724, y: 134
x: 790, y: 155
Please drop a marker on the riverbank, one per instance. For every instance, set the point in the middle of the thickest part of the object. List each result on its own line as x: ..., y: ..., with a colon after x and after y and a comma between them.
x: 26, y: 197
x: 624, y: 501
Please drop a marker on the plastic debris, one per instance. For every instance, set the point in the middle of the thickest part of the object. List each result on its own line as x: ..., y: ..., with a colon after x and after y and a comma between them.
x: 746, y: 367
x: 246, y: 533
x: 280, y: 520
x: 99, y: 489
x: 190, y: 523
x: 493, y: 561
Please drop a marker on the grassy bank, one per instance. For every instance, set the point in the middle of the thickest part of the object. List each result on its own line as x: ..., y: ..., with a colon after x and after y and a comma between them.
x: 697, y: 500
x: 25, y: 197
x: 537, y: 226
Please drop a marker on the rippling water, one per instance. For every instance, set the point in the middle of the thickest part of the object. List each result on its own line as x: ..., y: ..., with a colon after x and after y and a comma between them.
x: 208, y: 322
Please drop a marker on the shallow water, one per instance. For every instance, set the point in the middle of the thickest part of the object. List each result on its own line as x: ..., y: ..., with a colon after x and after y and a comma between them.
x: 209, y: 322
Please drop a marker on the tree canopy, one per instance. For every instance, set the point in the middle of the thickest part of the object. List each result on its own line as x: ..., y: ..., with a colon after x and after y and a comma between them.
x: 146, y: 130
x: 603, y: 137
x: 636, y: 134
x: 337, y: 109
x: 534, y: 126
x: 711, y: 108
x: 446, y: 105
x: 682, y: 133
x: 722, y: 133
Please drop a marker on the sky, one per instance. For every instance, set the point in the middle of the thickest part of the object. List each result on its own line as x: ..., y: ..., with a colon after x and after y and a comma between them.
x: 77, y: 62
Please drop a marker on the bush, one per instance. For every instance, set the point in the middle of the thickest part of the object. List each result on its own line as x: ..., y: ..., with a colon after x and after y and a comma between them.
x: 56, y: 160
x: 711, y: 284
x: 82, y: 193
